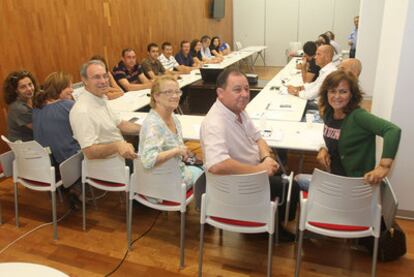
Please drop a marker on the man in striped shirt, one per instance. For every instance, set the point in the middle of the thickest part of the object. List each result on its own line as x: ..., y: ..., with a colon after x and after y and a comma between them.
x: 169, y: 62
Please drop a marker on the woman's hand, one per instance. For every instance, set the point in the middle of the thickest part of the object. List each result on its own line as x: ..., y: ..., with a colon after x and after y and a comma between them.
x: 324, y: 159
x: 375, y: 176
x: 183, y: 152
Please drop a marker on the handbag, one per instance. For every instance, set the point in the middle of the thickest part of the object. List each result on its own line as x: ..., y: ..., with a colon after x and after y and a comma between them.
x: 391, y: 244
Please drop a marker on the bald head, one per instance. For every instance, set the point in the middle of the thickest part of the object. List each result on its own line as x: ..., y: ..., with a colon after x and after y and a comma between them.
x: 352, y: 65
x: 324, y: 55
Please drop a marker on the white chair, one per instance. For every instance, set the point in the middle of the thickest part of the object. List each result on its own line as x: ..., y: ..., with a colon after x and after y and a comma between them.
x: 6, y: 169
x: 239, y: 45
x: 238, y: 203
x: 71, y: 169
x: 33, y: 169
x: 162, y: 182
x: 110, y: 174
x: 340, y: 207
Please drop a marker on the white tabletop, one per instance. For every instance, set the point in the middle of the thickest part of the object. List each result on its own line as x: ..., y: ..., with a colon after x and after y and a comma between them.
x: 29, y: 269
x: 274, y: 102
x: 235, y: 56
x: 281, y: 134
x: 135, y: 100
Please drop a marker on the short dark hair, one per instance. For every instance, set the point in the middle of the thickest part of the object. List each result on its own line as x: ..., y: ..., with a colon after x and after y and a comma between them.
x: 165, y: 44
x: 326, y: 39
x: 11, y: 83
x: 125, y: 50
x: 183, y: 42
x: 309, y: 48
x: 151, y: 45
x: 225, y: 74
x: 204, y: 38
x: 331, y: 82
x: 194, y: 43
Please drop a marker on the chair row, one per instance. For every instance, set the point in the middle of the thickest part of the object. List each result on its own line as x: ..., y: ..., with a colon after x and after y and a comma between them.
x: 336, y: 206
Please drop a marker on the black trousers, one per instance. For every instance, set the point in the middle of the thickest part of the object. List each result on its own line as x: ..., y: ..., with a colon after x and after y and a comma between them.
x: 352, y: 53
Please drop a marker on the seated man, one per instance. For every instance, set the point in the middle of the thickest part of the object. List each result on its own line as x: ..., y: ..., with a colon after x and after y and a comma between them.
x: 95, y: 126
x: 169, y: 62
x: 323, y: 58
x: 128, y: 73
x: 352, y: 65
x: 308, y: 67
x: 231, y: 143
x: 151, y: 65
x: 184, y: 57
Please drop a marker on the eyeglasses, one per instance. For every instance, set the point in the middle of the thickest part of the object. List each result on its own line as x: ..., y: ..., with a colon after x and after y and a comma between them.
x: 171, y: 92
x: 340, y: 91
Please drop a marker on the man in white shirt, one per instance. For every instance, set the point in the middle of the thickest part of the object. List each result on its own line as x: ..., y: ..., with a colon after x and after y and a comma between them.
x: 168, y: 60
x: 323, y: 58
x: 95, y: 126
x: 231, y: 143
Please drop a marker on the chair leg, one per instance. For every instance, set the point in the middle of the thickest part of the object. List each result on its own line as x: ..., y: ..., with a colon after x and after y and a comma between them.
x: 182, y: 236
x: 126, y: 203
x: 1, y: 219
x: 374, y: 258
x: 129, y: 224
x: 277, y: 226
x: 59, y: 190
x: 83, y: 207
x: 299, y: 254
x: 16, y: 204
x: 55, y: 234
x: 269, y: 255
x: 200, y: 254
x: 91, y: 190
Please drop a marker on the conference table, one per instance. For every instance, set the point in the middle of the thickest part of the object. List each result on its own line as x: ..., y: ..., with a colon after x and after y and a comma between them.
x: 275, y: 112
x: 135, y: 100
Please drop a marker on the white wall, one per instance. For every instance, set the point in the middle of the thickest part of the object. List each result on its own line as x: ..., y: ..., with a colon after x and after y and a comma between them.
x: 275, y: 23
x: 393, y: 97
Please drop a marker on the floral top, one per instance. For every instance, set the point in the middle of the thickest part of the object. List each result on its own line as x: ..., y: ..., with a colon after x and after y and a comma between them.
x: 156, y: 137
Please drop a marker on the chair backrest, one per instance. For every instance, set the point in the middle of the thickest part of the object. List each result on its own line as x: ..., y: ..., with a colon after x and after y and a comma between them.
x: 341, y: 200
x: 112, y: 169
x: 389, y: 203
x: 6, y: 162
x: 163, y: 181
x: 71, y: 169
x: 31, y: 161
x: 240, y: 197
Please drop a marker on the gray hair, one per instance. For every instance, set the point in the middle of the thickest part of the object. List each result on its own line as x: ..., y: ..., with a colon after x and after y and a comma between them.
x: 85, y: 66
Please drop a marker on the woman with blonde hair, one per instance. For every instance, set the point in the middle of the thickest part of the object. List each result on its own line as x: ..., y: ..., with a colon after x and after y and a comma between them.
x: 161, y: 136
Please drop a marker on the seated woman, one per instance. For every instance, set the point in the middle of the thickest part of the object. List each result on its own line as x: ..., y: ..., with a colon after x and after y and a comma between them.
x: 19, y: 88
x: 195, y: 50
x: 161, y: 136
x: 350, y: 133
x: 215, y: 47
x: 114, y: 91
x: 51, y: 127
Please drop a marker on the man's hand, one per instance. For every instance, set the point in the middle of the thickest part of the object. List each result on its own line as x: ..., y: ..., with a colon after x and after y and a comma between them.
x: 126, y: 150
x: 324, y: 159
x: 293, y: 90
x: 270, y: 165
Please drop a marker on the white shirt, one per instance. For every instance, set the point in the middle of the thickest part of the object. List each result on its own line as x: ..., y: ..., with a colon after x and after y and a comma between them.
x: 224, y: 137
x: 311, y: 90
x: 205, y: 53
x: 93, y: 122
x: 168, y: 63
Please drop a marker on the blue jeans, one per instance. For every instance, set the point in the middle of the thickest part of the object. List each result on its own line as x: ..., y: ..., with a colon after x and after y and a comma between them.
x: 303, y: 181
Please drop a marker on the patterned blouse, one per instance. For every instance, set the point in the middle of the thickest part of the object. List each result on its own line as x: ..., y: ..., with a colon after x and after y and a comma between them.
x: 155, y: 137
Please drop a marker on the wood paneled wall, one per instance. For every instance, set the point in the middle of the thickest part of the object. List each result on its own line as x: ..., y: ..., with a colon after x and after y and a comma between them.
x: 43, y: 36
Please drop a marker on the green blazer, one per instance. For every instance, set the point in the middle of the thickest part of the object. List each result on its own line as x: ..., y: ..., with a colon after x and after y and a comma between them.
x: 356, y: 144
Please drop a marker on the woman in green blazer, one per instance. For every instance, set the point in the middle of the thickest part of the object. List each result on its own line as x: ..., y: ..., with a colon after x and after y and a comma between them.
x: 350, y: 132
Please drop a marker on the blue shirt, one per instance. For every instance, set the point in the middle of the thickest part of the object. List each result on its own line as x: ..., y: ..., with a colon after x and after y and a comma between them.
x: 181, y: 59
x: 51, y: 128
x: 353, y: 37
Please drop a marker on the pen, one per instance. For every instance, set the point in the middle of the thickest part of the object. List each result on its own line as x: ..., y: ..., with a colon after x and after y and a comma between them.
x: 267, y: 106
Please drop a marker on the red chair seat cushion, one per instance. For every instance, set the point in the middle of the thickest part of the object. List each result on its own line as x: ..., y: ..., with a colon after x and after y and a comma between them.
x: 36, y: 183
x: 1, y: 169
x: 238, y: 222
x: 338, y: 227
x: 106, y: 183
x: 305, y: 194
